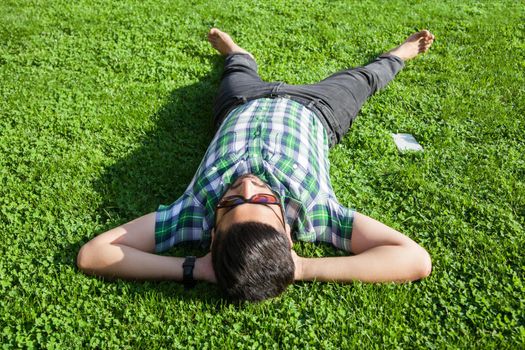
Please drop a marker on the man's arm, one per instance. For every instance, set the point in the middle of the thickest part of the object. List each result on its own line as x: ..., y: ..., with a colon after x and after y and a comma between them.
x: 382, y: 254
x: 127, y: 252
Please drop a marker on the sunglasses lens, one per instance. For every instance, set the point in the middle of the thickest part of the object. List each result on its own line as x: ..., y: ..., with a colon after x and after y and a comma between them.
x: 265, y: 198
x: 231, y: 201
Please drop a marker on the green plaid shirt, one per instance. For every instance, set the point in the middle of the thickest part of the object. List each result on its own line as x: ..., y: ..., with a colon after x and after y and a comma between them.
x: 284, y: 144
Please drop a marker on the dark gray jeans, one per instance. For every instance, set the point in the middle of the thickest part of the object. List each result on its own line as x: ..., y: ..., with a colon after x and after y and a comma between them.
x: 336, y: 100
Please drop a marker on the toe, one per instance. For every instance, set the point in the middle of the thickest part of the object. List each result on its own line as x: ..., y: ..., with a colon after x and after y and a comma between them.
x: 426, y: 34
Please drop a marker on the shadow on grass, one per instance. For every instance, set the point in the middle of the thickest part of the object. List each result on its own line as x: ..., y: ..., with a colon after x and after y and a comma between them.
x: 160, y: 169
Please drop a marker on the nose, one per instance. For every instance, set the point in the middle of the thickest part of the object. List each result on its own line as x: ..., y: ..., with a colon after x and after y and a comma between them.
x: 247, y: 189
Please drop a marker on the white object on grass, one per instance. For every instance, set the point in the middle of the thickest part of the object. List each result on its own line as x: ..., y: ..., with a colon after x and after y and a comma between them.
x: 406, y: 142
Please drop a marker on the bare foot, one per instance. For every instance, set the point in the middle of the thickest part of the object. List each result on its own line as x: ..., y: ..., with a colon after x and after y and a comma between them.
x: 223, y: 43
x: 414, y: 45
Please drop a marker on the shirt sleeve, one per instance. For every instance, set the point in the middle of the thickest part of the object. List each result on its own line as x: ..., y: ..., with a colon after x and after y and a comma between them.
x: 342, y: 223
x: 332, y: 224
x: 181, y: 221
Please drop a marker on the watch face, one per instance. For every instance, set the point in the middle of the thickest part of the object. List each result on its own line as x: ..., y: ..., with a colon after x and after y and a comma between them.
x: 190, y: 261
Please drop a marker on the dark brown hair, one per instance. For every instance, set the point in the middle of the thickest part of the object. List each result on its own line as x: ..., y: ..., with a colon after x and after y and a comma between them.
x: 252, y: 261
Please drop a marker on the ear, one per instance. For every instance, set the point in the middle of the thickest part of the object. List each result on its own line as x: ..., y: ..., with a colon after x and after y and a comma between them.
x: 289, y: 234
x: 212, y: 237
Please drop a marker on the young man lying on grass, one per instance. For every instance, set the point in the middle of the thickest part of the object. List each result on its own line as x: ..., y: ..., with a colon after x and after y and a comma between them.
x: 263, y: 181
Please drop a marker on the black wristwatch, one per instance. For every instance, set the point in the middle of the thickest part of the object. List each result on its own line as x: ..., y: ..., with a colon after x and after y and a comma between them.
x: 187, y: 272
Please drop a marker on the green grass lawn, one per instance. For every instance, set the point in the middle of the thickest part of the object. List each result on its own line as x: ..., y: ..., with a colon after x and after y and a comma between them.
x: 105, y: 113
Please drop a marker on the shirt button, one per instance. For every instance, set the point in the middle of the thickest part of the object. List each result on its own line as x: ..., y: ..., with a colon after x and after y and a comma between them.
x: 256, y: 133
x: 213, y: 168
x: 295, y: 165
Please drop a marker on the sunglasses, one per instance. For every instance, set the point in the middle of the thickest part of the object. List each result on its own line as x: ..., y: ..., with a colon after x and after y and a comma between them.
x: 259, y: 198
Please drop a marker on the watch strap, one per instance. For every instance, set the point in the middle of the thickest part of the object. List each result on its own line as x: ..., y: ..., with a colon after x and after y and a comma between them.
x: 187, y: 272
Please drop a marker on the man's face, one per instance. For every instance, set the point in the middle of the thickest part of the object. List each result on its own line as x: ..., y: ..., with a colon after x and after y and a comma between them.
x: 247, y: 186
